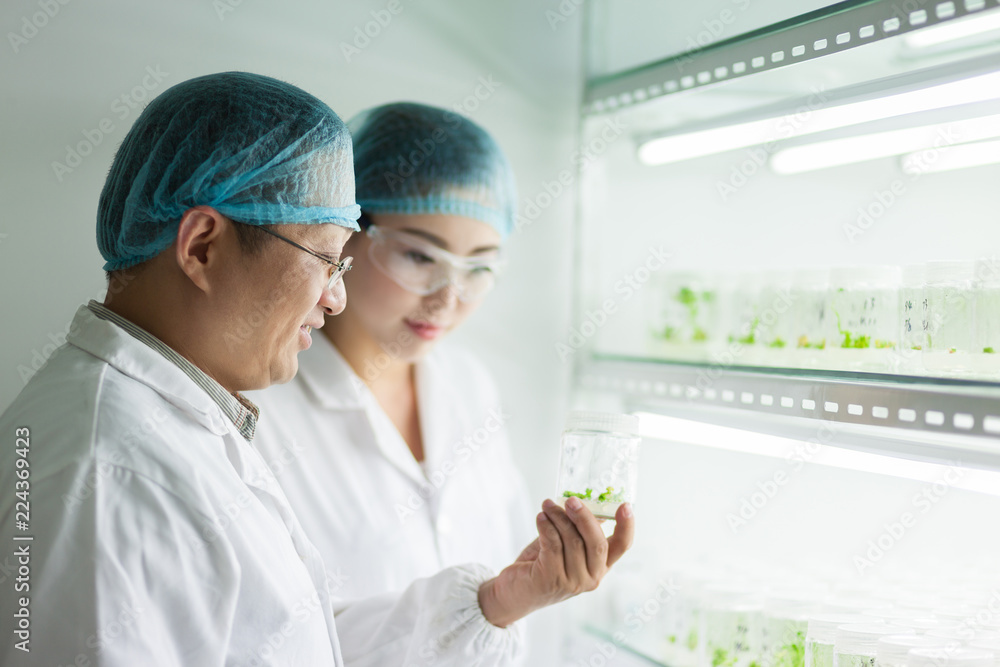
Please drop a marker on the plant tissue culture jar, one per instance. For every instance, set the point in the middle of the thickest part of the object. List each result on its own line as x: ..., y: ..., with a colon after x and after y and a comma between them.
x: 856, y: 645
x: 913, y: 320
x: 599, y: 461
x: 821, y: 634
x: 950, y: 331
x: 865, y: 318
x: 987, y: 317
x: 810, y: 311
x: 732, y: 621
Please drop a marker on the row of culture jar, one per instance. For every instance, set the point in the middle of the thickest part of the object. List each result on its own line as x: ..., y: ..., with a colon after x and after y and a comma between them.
x: 704, y: 623
x: 939, y: 318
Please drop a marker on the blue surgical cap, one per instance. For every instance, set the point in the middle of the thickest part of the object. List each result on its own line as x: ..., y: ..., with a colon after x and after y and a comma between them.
x: 411, y: 158
x: 258, y: 150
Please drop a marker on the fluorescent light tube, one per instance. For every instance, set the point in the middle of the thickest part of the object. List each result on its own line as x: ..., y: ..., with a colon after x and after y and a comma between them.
x: 952, y: 30
x: 956, y: 157
x: 673, y: 429
x: 943, y: 137
x: 677, y: 147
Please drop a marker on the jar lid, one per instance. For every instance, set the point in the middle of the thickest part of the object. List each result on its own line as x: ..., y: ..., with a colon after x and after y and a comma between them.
x: 864, y: 276
x: 926, y: 624
x: 988, y: 271
x: 612, y: 422
x: 862, y: 638
x: 939, y: 657
x: 948, y: 271
x: 823, y: 627
x: 892, y: 649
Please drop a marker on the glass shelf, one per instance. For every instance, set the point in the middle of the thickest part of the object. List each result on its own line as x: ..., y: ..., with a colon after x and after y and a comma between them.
x: 927, y: 419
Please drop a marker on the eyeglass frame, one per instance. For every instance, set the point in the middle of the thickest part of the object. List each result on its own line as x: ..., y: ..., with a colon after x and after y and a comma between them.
x: 339, y: 268
x: 377, y: 234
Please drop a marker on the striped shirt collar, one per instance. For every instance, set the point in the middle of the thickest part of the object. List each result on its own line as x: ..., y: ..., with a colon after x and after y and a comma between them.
x: 242, y: 412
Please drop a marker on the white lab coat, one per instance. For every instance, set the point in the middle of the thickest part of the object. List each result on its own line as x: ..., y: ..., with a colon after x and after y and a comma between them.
x: 379, y: 518
x: 161, y: 537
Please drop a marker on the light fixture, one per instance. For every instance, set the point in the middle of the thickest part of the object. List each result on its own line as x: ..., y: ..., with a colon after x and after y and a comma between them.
x: 674, y: 429
x: 935, y: 88
x: 953, y: 30
x: 940, y: 137
x: 956, y: 157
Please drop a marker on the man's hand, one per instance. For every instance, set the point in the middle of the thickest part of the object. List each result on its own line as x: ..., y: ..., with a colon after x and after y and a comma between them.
x: 570, y: 556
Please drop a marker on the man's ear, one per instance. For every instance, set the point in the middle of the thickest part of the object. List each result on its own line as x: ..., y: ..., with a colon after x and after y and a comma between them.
x: 200, y: 237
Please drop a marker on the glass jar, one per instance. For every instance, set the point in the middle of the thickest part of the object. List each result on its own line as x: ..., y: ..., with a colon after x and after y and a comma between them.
x: 950, y: 657
x: 731, y: 622
x: 857, y: 644
x: 892, y: 650
x: 864, y: 327
x: 740, y: 320
x: 949, y: 326
x: 775, y: 319
x: 684, y: 316
x: 913, y: 320
x: 783, y: 637
x: 599, y: 461
x: 987, y: 317
x: 821, y: 633
x: 810, y: 311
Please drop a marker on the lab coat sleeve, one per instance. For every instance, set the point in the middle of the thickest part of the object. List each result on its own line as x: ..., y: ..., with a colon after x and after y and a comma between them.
x: 121, y: 575
x: 435, y: 621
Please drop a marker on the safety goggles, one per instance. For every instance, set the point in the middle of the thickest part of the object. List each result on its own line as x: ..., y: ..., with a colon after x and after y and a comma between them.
x: 422, y: 268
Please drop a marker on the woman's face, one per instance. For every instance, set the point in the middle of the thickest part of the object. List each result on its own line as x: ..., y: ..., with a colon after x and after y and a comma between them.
x: 403, y: 323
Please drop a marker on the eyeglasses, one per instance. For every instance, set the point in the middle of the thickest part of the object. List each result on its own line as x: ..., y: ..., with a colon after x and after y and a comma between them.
x: 422, y: 268
x: 337, y: 269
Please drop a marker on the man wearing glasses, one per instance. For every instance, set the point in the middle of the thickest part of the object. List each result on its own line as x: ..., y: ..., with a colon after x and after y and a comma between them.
x: 149, y: 529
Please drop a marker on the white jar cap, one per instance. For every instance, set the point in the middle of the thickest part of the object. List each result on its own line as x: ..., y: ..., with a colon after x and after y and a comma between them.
x: 892, y: 649
x: 923, y: 625
x: 862, y: 638
x: 823, y: 627
x: 611, y: 422
x: 864, y: 276
x: 948, y: 271
x: 952, y: 657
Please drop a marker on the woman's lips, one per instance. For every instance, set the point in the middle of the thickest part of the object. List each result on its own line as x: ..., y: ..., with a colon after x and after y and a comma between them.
x: 425, y: 330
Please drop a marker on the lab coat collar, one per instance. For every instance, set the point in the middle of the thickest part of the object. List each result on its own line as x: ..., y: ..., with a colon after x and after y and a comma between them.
x: 328, y: 376
x: 132, y: 357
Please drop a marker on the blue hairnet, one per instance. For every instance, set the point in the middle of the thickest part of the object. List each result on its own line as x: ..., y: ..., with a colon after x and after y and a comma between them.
x: 411, y: 158
x: 258, y: 150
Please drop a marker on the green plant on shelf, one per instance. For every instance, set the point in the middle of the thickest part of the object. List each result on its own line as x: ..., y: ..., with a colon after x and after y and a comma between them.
x: 777, y: 343
x: 988, y: 350
x: 688, y: 298
x: 669, y: 333
x: 754, y: 663
x: 581, y: 496
x: 805, y: 344
x: 692, y: 640
x: 721, y: 658
x: 672, y: 639
x: 852, y: 341
x: 699, y: 335
x: 793, y: 654
x: 750, y: 337
x: 884, y: 345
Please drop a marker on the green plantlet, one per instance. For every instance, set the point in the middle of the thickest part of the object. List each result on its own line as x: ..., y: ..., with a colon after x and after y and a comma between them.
x: 669, y: 333
x: 721, y: 658
x: 687, y: 296
x: 884, y: 345
x: 777, y: 343
x: 699, y: 335
x: 751, y: 337
x: 988, y: 350
x: 609, y: 496
x: 691, y: 643
x: 581, y: 496
x: 672, y: 639
x: 793, y: 654
x: 851, y: 341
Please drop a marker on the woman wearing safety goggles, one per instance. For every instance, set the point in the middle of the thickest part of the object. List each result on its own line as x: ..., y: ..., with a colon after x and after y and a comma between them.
x: 395, y: 411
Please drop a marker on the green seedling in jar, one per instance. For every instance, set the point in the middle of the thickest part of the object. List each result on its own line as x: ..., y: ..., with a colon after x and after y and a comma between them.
x: 777, y: 343
x: 581, y: 496
x: 852, y: 341
x: 793, y: 654
x: 988, y: 350
x: 688, y: 298
x: 610, y: 496
x: 721, y: 658
x: 692, y: 640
